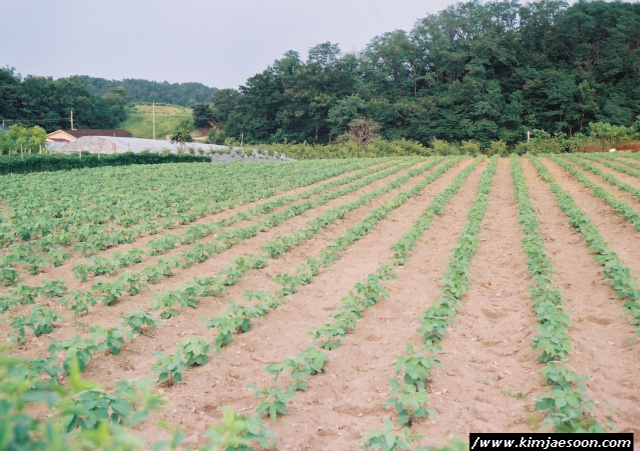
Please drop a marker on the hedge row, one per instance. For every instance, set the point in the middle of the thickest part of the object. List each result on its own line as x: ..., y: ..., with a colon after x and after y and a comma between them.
x: 41, y: 163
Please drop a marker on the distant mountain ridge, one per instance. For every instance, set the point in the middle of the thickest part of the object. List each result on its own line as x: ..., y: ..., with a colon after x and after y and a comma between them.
x: 140, y: 90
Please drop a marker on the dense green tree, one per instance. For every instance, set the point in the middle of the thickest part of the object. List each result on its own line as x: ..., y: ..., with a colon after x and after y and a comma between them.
x: 482, y: 71
x: 112, y: 103
x: 138, y: 90
x: 389, y: 64
x: 9, y: 93
x: 254, y: 116
x: 537, y: 27
x: 48, y: 103
x: 308, y: 96
x: 202, y: 115
x: 222, y: 104
x: 345, y: 111
x: 20, y: 139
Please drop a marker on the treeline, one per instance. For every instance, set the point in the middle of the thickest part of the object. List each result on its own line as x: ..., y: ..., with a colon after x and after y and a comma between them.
x: 47, y: 103
x: 95, y: 102
x: 603, y: 138
x: 481, y: 72
x: 139, y: 90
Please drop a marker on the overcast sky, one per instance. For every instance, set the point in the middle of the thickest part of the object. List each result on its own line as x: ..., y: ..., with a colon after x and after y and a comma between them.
x: 219, y: 43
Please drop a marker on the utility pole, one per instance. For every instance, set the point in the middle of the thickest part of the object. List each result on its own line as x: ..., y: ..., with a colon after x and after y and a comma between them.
x: 71, y: 119
x: 153, y: 113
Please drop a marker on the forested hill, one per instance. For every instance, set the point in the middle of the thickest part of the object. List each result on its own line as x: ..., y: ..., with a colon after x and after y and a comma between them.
x: 138, y: 90
x: 475, y: 71
x: 47, y: 103
x: 95, y: 102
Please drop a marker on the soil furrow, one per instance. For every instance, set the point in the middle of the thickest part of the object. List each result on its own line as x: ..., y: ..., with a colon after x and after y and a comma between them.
x: 620, y: 233
x: 284, y: 332
x: 62, y: 272
x: 109, y: 316
x: 633, y: 181
x: 490, y: 379
x: 626, y: 162
x: 191, y: 319
x: 347, y: 401
x: 76, y: 257
x: 618, y: 193
x: 206, y: 268
x: 605, y: 348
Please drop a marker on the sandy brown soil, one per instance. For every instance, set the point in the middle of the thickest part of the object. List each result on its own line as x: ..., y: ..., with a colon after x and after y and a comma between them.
x: 605, y: 346
x: 627, y: 161
x: 618, y: 193
x: 283, y: 333
x: 631, y: 180
x: 490, y: 377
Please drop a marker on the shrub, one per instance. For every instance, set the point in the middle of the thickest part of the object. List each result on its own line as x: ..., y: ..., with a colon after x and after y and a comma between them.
x: 496, y: 147
x: 411, y: 147
x: 441, y: 147
x: 611, y: 135
x: 469, y: 148
x: 59, y: 162
x: 543, y: 142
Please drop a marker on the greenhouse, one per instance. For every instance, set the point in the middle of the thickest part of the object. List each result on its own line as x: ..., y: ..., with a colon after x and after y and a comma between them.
x: 112, y: 145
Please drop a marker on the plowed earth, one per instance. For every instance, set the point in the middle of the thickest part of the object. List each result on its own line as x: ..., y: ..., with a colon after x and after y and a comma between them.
x: 490, y: 377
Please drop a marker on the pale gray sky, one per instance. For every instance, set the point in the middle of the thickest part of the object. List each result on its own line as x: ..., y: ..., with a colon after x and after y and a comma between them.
x: 219, y: 43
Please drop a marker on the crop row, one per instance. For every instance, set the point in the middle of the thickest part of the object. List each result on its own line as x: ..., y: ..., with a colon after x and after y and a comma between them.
x: 615, y: 181
x: 618, y: 275
x: 608, y: 163
x: 84, y: 406
x: 38, y: 241
x: 167, y: 242
x: 567, y: 403
x: 627, y: 159
x: 133, y: 283
x: 165, y: 303
x: 366, y: 293
x: 100, y: 241
x: 414, y: 369
x: 104, y: 195
x: 312, y: 359
x: 237, y: 319
x: 163, y: 244
x: 85, y: 416
x: 623, y: 209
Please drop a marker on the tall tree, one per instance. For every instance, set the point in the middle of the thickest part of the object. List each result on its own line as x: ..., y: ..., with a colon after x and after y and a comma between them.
x: 222, y: 104
x: 202, y: 115
x: 9, y: 93
x: 254, y: 117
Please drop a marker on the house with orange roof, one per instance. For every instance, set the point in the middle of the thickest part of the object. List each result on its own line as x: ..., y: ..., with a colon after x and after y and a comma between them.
x: 73, y: 135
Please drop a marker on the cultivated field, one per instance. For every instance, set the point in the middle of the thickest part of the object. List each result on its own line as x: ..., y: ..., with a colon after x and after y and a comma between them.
x: 344, y: 299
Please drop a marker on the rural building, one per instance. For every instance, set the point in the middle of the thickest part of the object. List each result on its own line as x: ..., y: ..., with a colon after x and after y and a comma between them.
x: 73, y: 135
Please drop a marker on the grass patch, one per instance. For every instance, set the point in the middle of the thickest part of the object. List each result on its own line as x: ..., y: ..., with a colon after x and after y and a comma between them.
x: 139, y: 120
